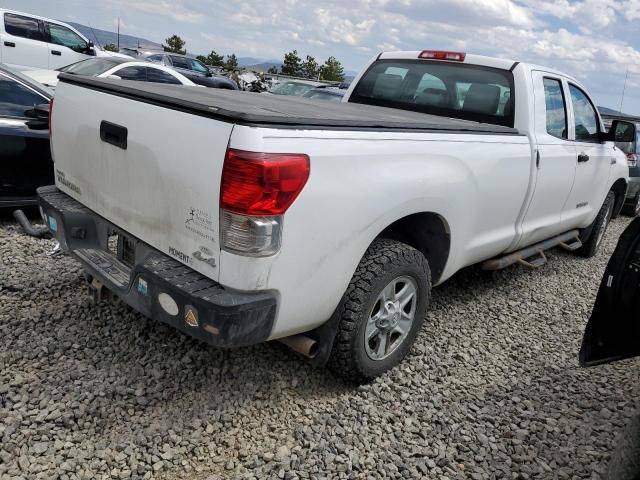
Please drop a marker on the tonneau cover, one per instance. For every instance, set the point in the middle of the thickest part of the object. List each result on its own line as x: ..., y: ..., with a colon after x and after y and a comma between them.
x: 283, y: 111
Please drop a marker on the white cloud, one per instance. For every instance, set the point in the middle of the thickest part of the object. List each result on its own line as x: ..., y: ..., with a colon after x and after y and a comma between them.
x: 587, y: 38
x: 175, y: 10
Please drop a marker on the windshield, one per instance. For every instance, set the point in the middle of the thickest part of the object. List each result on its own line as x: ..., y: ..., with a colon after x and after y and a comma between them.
x: 198, y: 66
x: 91, y: 67
x: 470, y: 92
x: 291, y: 88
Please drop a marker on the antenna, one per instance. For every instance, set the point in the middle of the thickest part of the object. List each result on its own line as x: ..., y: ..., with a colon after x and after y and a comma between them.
x: 118, y: 34
x: 624, y: 87
x: 95, y: 37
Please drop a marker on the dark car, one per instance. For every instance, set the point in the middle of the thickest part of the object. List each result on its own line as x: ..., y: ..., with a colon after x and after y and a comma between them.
x: 193, y: 69
x: 613, y: 333
x: 330, y: 94
x: 25, y: 157
x: 632, y: 151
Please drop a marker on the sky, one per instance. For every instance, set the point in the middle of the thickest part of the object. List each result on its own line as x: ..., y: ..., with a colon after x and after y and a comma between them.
x: 596, y: 41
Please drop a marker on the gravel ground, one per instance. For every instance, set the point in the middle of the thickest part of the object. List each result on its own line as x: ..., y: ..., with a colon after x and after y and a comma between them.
x: 491, y: 390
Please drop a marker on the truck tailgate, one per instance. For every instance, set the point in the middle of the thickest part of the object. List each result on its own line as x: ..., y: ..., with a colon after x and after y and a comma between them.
x: 152, y: 171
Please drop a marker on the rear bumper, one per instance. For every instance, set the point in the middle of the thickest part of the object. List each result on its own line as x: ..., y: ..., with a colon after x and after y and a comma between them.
x: 153, y: 283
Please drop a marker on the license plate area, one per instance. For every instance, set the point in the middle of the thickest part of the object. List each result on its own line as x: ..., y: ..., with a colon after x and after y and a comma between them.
x: 122, y: 246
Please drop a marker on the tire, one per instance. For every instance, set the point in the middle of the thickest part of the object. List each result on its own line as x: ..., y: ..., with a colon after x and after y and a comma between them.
x: 632, y: 209
x: 598, y: 228
x: 625, y: 461
x: 374, y: 305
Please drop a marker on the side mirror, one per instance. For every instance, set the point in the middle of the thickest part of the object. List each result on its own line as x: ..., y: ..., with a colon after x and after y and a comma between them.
x: 90, y: 44
x: 39, y: 116
x: 621, y: 131
x: 114, y: 77
x: 38, y: 112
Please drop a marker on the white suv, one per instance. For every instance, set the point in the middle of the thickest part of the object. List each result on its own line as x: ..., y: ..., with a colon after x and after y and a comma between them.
x: 28, y: 41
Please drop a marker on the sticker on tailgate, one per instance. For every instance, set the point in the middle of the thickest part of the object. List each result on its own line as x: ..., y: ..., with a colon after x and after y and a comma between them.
x: 200, y: 223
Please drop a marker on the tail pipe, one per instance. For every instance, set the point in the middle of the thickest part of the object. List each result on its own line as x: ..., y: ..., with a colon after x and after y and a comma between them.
x: 301, y: 344
x: 24, y: 222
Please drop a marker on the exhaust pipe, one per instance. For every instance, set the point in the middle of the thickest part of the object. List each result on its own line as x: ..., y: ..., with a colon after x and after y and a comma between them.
x: 301, y: 344
x: 24, y: 222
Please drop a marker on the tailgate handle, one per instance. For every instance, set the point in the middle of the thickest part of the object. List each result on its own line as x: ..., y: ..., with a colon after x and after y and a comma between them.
x: 113, y: 134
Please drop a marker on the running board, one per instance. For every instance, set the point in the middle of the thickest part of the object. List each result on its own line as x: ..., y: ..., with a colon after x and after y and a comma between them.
x: 534, y: 256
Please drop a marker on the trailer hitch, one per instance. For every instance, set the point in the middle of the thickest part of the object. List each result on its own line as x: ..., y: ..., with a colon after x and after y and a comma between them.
x: 28, y: 228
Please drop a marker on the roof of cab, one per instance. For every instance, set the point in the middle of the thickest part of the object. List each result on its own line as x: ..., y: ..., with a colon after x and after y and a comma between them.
x: 472, y: 59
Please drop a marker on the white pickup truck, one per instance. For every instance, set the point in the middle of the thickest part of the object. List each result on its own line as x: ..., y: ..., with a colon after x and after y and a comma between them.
x: 239, y: 218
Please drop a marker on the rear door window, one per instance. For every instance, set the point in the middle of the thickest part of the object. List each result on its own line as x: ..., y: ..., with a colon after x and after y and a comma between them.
x: 450, y: 89
x: 22, y: 26
x: 556, y: 108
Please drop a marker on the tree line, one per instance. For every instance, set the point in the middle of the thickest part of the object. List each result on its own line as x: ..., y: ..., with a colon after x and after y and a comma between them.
x: 293, y: 65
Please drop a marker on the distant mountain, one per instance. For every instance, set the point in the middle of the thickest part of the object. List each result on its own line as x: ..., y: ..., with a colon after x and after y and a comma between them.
x: 262, y: 67
x: 103, y: 37
x: 608, y: 111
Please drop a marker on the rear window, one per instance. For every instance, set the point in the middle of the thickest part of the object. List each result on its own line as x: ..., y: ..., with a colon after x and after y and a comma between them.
x: 91, y: 67
x: 20, y: 26
x: 470, y: 92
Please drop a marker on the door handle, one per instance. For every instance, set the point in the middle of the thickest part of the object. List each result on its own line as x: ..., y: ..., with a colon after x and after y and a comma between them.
x: 583, y: 157
x: 9, y: 44
x: 56, y: 52
x: 114, y: 134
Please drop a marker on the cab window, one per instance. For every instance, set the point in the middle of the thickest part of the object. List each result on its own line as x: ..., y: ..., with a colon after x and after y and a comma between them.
x: 585, y: 116
x: 21, y: 26
x: 556, y: 108
x: 67, y: 38
x: 450, y: 89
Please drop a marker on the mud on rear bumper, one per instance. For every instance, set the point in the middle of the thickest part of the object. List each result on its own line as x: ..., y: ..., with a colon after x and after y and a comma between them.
x: 155, y: 284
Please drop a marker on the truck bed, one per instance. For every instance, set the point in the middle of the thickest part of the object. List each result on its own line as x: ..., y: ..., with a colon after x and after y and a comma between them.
x: 253, y: 109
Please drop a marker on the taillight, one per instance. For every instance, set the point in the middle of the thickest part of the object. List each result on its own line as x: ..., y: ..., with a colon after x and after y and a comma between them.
x: 441, y: 55
x: 50, y: 114
x: 262, y: 183
x: 256, y: 190
x: 632, y: 159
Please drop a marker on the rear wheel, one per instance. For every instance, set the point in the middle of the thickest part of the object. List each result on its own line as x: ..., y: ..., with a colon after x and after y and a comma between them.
x: 598, y: 227
x: 381, y: 312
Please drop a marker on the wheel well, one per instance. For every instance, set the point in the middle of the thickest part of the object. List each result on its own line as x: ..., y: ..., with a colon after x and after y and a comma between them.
x: 428, y: 233
x: 620, y: 190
